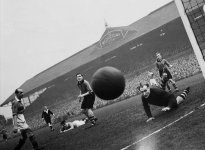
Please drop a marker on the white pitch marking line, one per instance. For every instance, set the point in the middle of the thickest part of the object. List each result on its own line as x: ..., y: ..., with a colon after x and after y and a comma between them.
x: 202, y: 105
x: 161, y: 128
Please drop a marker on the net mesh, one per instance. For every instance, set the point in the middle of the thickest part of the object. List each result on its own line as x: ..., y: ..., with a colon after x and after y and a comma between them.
x: 195, y: 11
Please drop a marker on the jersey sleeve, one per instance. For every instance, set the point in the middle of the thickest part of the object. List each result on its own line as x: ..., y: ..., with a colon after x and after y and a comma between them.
x: 157, y: 65
x: 166, y: 63
x: 50, y: 112
x: 42, y: 116
x: 146, y: 107
x: 15, y: 108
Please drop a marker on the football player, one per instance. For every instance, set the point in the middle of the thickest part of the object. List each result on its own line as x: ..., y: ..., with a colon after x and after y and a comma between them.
x: 20, y: 124
x: 159, y: 97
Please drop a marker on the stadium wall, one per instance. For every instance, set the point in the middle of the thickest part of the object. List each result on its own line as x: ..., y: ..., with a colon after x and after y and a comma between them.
x: 142, y: 26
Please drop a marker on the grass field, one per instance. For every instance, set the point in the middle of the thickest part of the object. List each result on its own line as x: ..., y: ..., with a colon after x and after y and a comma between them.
x: 123, y: 126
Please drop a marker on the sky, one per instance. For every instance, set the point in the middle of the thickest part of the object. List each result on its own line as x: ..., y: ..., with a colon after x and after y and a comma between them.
x: 37, y: 34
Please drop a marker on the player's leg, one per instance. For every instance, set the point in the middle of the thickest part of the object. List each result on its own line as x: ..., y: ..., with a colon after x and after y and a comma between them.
x: 163, y: 87
x: 168, y: 87
x: 90, y: 104
x: 33, y: 140
x: 21, y: 140
x: 173, y: 84
x: 160, y: 73
x: 84, y: 111
x: 84, y: 107
x: 91, y: 115
x: 50, y: 125
x: 183, y: 95
x: 5, y: 137
x: 169, y: 76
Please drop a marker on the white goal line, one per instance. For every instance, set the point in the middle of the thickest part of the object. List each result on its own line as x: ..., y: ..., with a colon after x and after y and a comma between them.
x: 187, y: 114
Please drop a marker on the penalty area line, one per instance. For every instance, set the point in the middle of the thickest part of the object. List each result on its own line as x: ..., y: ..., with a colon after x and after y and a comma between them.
x: 187, y: 114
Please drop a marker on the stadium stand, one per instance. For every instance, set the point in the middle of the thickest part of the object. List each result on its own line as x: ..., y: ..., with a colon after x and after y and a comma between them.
x: 134, y: 56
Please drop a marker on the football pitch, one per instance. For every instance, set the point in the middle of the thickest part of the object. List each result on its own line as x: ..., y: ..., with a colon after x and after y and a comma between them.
x: 122, y: 125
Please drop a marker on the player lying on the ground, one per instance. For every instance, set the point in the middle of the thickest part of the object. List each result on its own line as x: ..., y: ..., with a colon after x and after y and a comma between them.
x: 159, y: 97
x: 66, y: 126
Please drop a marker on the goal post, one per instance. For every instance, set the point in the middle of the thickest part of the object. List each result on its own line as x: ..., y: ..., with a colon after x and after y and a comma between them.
x: 193, y: 17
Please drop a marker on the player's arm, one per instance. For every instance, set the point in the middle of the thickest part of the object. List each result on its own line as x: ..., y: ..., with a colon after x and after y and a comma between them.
x: 42, y: 116
x: 14, y: 112
x: 147, y: 110
x: 167, y: 63
x: 157, y: 65
x: 15, y: 121
x: 79, y: 96
x: 51, y: 112
x: 171, y: 103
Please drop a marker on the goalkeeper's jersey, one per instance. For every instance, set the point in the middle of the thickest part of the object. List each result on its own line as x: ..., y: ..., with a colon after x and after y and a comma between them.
x: 158, y: 97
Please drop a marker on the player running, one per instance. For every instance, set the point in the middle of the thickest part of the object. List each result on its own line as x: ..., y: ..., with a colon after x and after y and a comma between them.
x: 46, y: 115
x: 162, y: 66
x: 20, y: 124
x: 159, y: 97
x: 88, y: 96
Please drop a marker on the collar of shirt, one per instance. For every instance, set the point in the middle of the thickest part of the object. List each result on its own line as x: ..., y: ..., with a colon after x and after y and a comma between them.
x: 46, y: 110
x: 16, y: 98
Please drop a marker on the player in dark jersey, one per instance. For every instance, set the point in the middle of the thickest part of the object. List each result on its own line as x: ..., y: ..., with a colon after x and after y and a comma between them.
x: 159, y: 97
x: 20, y: 124
x: 164, y: 82
x: 88, y: 96
x: 162, y: 66
x: 46, y: 115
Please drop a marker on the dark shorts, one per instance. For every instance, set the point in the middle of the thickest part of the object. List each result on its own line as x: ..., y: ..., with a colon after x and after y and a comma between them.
x: 169, y: 76
x: 48, y: 121
x: 172, y: 101
x: 88, y: 101
x: 5, y: 136
x: 26, y: 133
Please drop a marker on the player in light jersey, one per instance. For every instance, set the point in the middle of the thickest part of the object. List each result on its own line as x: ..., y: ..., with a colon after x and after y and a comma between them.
x: 66, y: 126
x: 20, y: 124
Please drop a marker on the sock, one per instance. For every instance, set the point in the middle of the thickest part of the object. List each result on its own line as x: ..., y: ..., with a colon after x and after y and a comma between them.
x: 184, y: 94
